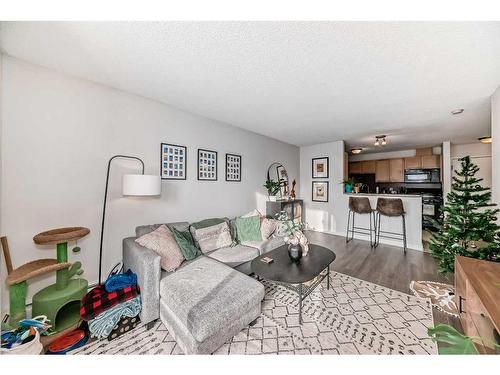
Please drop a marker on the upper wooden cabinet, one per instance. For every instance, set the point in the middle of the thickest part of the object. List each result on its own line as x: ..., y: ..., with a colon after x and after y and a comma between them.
x: 355, y: 167
x: 383, y: 173
x: 369, y: 166
x: 397, y: 170
x: 414, y: 162
x: 431, y: 161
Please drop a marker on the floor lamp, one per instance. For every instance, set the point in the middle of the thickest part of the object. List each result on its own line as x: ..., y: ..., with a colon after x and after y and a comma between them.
x: 132, y: 185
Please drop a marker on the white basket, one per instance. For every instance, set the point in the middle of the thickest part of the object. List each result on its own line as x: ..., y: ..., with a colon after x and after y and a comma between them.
x: 32, y: 347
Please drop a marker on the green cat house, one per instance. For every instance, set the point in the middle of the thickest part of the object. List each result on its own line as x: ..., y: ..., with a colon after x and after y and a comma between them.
x: 60, y: 302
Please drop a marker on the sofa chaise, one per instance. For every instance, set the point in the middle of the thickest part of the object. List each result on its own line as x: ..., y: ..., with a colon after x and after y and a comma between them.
x: 206, y: 301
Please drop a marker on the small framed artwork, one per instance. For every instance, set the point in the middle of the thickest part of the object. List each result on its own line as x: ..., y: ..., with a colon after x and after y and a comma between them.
x: 233, y: 168
x: 207, y: 165
x: 320, y: 191
x: 173, y: 162
x: 320, y: 167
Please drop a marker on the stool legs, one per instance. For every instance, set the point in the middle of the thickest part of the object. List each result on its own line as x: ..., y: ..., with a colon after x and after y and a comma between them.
x: 401, y: 236
x: 404, y: 233
x: 351, y: 228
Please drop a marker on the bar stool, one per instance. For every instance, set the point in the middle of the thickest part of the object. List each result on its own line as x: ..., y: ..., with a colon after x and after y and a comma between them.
x: 390, y: 207
x: 360, y: 206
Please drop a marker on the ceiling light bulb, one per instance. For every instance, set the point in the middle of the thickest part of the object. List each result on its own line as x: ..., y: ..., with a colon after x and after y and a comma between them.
x: 356, y: 150
x: 485, y: 140
x: 376, y: 143
x: 384, y: 142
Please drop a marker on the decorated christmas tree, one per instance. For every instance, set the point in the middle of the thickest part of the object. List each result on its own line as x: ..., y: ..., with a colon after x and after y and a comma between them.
x: 468, y: 225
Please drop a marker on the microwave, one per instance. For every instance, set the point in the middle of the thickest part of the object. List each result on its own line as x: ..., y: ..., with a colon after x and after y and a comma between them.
x: 422, y: 176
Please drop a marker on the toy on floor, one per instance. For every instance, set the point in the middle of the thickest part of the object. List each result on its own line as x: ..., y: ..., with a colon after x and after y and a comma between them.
x: 60, y: 302
x: 68, y: 342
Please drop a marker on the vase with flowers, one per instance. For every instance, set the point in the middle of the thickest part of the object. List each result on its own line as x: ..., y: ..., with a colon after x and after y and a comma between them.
x: 293, y: 235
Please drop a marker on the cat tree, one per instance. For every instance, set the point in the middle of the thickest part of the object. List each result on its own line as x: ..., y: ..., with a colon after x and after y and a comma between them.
x: 60, y: 302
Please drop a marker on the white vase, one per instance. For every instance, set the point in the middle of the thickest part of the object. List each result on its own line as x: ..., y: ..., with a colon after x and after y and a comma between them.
x: 273, y: 198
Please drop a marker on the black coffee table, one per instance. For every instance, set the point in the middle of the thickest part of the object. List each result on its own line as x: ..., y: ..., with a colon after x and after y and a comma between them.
x: 292, y: 275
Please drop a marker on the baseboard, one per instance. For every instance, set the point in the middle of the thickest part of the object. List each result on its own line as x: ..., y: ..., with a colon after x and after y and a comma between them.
x: 384, y: 241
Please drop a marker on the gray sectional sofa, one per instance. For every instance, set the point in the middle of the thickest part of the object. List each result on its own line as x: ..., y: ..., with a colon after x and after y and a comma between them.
x: 207, y: 300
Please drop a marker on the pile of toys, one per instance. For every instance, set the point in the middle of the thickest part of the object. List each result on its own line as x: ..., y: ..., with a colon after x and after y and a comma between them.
x: 25, y: 339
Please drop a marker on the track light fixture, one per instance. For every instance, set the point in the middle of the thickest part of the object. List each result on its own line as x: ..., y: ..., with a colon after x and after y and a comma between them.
x: 380, y: 140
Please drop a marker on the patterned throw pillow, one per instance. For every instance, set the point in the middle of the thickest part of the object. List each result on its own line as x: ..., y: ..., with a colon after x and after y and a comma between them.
x: 162, y: 242
x: 267, y: 227
x: 213, y: 237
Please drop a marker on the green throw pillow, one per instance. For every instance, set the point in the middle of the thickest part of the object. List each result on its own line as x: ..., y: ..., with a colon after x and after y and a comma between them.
x: 248, y: 228
x: 186, y: 244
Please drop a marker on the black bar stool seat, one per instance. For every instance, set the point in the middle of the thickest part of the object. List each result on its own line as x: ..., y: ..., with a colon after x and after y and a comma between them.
x: 390, y: 207
x: 360, y: 206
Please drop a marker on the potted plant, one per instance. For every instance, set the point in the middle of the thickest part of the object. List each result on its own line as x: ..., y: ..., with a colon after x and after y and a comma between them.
x: 348, y: 184
x: 357, y: 187
x: 293, y: 235
x: 273, y: 187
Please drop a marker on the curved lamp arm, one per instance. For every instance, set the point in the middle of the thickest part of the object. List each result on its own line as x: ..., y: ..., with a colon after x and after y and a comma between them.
x: 105, y: 200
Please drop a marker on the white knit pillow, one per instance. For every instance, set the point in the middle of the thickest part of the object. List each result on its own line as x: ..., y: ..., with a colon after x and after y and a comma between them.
x: 267, y: 227
x: 162, y: 242
x: 212, y: 238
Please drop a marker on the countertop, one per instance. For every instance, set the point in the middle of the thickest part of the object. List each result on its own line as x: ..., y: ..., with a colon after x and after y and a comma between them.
x: 384, y: 195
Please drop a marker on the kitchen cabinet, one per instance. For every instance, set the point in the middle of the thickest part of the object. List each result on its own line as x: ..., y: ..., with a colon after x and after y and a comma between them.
x: 414, y: 162
x: 431, y: 161
x: 355, y: 167
x: 369, y: 166
x: 382, y: 173
x: 396, y: 170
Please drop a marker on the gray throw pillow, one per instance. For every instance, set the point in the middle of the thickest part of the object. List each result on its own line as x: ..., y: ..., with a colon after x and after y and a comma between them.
x: 213, y: 237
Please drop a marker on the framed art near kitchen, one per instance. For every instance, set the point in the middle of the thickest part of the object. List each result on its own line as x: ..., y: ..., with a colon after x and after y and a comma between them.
x: 320, y: 167
x: 233, y: 168
x: 173, y: 162
x: 320, y: 191
x: 207, y: 165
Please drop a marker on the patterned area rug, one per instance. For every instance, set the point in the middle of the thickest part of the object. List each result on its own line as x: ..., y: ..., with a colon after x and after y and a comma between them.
x: 442, y: 296
x: 352, y: 317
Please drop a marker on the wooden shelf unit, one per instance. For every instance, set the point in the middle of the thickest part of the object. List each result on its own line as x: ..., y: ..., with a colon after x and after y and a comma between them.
x: 477, y: 289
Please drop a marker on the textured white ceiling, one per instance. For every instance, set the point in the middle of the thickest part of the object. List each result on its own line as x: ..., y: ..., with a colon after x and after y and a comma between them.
x: 300, y: 82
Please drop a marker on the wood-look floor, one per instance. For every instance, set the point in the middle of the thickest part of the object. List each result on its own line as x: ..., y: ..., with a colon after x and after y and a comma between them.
x: 386, y: 265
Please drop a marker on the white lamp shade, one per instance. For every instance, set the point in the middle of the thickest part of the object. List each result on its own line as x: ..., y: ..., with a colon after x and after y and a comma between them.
x: 141, y: 185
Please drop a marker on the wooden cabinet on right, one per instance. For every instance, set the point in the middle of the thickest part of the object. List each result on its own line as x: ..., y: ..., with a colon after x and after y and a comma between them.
x: 414, y: 162
x: 477, y: 295
x: 431, y: 161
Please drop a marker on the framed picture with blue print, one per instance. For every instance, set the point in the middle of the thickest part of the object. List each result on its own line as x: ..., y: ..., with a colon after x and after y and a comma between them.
x: 173, y: 162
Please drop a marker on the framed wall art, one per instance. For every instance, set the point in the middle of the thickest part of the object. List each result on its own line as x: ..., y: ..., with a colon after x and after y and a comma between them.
x: 173, y: 161
x: 233, y: 168
x: 320, y: 191
x: 207, y: 165
x: 320, y: 167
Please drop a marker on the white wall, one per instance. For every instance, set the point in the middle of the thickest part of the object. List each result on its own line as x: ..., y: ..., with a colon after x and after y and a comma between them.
x: 331, y: 217
x: 322, y: 216
x: 480, y: 154
x: 495, y: 149
x: 446, y: 172
x: 471, y: 149
x: 58, y: 134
